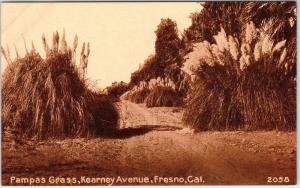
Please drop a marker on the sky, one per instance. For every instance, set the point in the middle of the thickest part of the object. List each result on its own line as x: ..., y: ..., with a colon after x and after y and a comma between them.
x: 121, y: 35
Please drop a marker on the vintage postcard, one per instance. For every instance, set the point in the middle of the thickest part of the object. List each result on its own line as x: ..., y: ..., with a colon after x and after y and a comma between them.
x: 148, y: 93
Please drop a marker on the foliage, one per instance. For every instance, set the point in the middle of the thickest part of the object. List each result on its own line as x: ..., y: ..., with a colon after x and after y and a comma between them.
x: 147, y: 71
x: 211, y: 18
x: 167, y: 42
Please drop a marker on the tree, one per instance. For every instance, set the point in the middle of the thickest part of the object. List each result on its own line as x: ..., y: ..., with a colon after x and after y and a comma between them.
x: 167, y: 49
x: 213, y: 16
x: 148, y: 70
x: 166, y: 61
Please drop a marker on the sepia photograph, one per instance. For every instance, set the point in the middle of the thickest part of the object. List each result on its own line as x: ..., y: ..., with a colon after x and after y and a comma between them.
x: 148, y: 93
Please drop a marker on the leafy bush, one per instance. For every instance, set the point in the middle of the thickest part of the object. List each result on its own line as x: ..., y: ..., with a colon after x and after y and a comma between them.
x: 163, y: 96
x: 48, y: 98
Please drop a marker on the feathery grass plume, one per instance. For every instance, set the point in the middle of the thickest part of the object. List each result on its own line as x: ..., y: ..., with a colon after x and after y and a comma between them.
x: 257, y: 51
x: 282, y: 57
x: 253, y: 92
x: 84, y: 60
x: 64, y: 44
x: 16, y: 51
x: 201, y: 50
x: 267, y: 45
x: 233, y: 47
x: 6, y: 55
x: 250, y: 32
x: 221, y: 40
x: 25, y: 44
x: 33, y: 47
x: 46, y: 98
x: 55, y: 41
x: 279, y: 46
x: 8, y: 52
x: 45, y: 44
x: 163, y: 96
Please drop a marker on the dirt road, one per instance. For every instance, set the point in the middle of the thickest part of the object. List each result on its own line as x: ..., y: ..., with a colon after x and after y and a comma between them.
x: 152, y: 142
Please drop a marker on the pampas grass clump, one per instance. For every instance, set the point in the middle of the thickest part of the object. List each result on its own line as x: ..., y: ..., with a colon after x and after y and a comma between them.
x: 138, y: 93
x: 126, y: 95
x: 48, y: 97
x: 116, y: 90
x: 139, y: 96
x: 155, y: 92
x: 241, y: 86
x: 163, y: 96
x: 211, y: 103
x: 268, y: 97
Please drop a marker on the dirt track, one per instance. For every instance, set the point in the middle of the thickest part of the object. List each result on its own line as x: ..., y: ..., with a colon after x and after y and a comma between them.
x: 152, y: 142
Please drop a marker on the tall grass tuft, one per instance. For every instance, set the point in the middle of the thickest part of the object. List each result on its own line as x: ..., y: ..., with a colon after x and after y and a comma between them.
x: 210, y: 104
x: 163, y: 96
x: 139, y: 96
x: 241, y: 85
x: 48, y: 97
x: 116, y: 90
x: 268, y: 97
x: 155, y: 93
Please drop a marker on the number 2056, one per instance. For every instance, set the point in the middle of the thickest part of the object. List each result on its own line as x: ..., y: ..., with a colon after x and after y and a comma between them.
x: 278, y: 179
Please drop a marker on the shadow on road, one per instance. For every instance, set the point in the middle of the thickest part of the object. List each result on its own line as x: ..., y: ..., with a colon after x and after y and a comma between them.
x: 136, y: 131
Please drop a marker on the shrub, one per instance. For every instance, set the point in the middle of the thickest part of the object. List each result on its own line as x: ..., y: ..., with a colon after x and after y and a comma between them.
x: 241, y: 86
x: 48, y: 98
x: 163, y: 96
x: 126, y: 95
x: 140, y: 92
x: 139, y: 96
x: 117, y: 89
